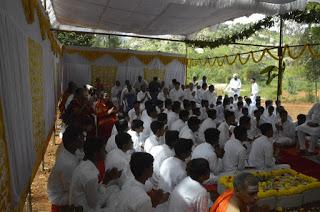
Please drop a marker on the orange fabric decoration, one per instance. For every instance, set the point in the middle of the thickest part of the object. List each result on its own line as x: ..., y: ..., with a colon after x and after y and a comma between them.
x: 221, y: 204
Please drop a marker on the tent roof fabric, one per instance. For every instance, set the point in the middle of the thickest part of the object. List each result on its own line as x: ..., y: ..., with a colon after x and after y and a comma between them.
x: 159, y: 17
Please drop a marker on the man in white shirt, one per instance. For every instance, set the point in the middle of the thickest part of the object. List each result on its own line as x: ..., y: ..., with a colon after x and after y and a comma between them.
x: 210, y: 151
x: 234, y: 85
x: 140, y: 82
x: 155, y: 138
x: 143, y: 95
x: 85, y: 191
x: 235, y: 155
x: 163, y: 95
x: 189, y: 93
x: 270, y: 117
x: 173, y: 115
x: 147, y: 120
x: 224, y: 127
x: 119, y: 158
x: 204, y: 80
x: 162, y: 152
x: 285, y: 134
x: 189, y: 194
x: 134, y: 132
x: 254, y: 130
x: 210, y: 96
x: 116, y: 93
x: 133, y: 196
x: 121, y: 126
x: 181, y: 122
x: 61, y: 174
x: 254, y: 90
x: 173, y: 169
x: 135, y: 112
x: 311, y: 127
x: 190, y: 131
x: 261, y: 154
x: 201, y: 92
x: 207, y: 123
x: 176, y: 93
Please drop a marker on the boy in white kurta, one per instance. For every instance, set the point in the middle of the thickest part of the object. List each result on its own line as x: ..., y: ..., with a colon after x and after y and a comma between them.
x: 121, y: 126
x: 224, y: 127
x: 134, y: 132
x: 209, y: 122
x: 181, y: 122
x: 176, y: 93
x: 235, y: 155
x: 133, y: 196
x: 285, y: 134
x: 189, y: 194
x: 85, y: 190
x: 155, y: 138
x: 61, y: 174
x: 189, y: 131
x: 173, y: 114
x: 173, y: 169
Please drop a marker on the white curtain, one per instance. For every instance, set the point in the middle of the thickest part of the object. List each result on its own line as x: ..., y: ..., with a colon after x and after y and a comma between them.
x: 78, y: 69
x: 16, y: 99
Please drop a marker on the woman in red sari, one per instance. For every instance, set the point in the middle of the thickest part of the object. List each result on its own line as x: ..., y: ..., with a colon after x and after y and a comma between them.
x: 106, y: 115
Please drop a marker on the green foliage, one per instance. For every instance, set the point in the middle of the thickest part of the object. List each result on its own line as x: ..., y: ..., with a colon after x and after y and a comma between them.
x: 292, y: 89
x: 75, y: 39
x: 104, y: 41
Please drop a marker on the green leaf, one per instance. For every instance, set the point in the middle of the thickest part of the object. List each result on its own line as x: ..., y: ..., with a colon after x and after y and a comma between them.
x: 269, y: 69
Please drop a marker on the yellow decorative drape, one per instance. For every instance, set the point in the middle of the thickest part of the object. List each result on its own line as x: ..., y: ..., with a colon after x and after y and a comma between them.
x: 92, y: 55
x: 106, y: 74
x: 149, y: 73
x: 230, y: 60
x: 5, y: 194
x: 30, y: 8
x: 36, y: 84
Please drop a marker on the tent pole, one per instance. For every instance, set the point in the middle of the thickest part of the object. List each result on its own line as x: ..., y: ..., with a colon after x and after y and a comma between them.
x: 185, y: 81
x: 280, y: 65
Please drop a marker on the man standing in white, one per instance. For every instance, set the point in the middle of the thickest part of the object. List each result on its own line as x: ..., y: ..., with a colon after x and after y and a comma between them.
x: 311, y: 127
x: 234, y: 86
x: 254, y: 90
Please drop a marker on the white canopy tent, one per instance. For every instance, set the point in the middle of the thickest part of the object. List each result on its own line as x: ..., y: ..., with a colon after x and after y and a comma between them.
x: 157, y: 17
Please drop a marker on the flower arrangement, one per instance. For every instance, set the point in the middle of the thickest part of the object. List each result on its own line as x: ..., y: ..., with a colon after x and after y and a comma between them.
x: 280, y: 182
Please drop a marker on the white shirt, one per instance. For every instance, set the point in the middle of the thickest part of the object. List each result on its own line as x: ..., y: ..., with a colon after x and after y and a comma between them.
x: 314, y: 113
x: 160, y: 153
x: 224, y: 133
x: 161, y: 96
x: 254, y: 131
x: 111, y: 143
x: 189, y: 196
x: 261, y: 154
x: 235, y: 84
x: 210, y: 97
x: 135, y: 137
x: 116, y: 91
x: 172, y: 117
x: 288, y: 129
x: 177, y: 125
x: 145, y: 96
x: 152, y: 141
x: 235, y: 155
x: 254, y: 89
x: 134, y: 115
x: 187, y: 94
x: 85, y: 190
x: 172, y: 171
x: 60, y: 177
x: 206, y: 151
x: 176, y: 95
x: 137, y: 84
x: 266, y: 118
x: 147, y: 120
x: 188, y: 134
x: 206, y: 124
x: 134, y: 198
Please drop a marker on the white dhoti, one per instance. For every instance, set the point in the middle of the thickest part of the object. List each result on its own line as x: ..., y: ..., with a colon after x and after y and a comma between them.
x: 284, y: 141
x: 314, y: 132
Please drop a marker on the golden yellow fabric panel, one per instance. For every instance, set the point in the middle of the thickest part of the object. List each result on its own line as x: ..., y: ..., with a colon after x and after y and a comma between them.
x: 106, y: 74
x: 123, y: 56
x: 149, y: 73
x: 36, y: 86
x: 5, y: 195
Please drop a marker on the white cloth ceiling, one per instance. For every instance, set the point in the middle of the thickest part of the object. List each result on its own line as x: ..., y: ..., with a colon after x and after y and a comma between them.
x: 159, y: 17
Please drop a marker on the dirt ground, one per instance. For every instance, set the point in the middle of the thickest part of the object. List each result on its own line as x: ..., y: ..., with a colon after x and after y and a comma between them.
x: 40, y: 201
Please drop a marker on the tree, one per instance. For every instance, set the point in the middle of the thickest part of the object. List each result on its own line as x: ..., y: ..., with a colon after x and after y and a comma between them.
x: 75, y: 38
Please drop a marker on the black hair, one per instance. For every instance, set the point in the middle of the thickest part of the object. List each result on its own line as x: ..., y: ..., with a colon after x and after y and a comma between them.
x: 150, y: 110
x: 92, y: 146
x: 171, y: 137
x: 228, y: 114
x: 70, y: 135
x: 122, y: 139
x: 204, y: 102
x: 196, y: 111
x: 240, y: 104
x: 176, y: 106
x: 193, y: 121
x: 184, y: 114
x: 139, y: 162
x: 122, y: 125
x: 212, y: 113
x: 211, y: 136
x: 197, y: 168
x: 183, y: 146
x: 240, y: 133
x: 155, y: 126
x: 265, y: 128
x: 136, y: 123
x: 244, y: 120
x: 301, y: 119
x: 163, y: 118
x: 168, y: 103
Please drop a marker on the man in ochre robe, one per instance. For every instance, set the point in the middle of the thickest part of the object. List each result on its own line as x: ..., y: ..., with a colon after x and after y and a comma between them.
x: 240, y: 199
